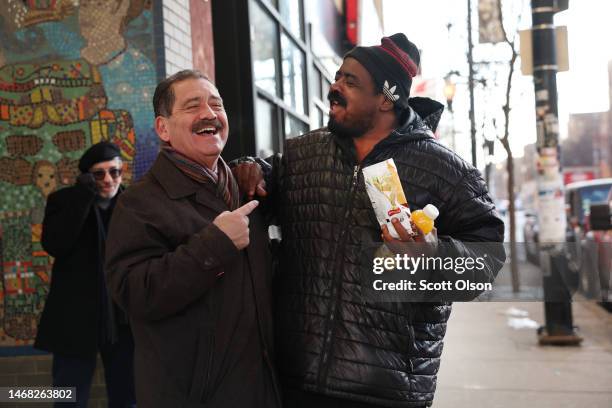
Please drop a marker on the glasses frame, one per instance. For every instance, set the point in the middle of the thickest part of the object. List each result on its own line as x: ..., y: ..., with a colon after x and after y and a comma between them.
x: 100, y: 174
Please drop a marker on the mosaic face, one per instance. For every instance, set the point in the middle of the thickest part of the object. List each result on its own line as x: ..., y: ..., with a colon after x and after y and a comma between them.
x: 45, y: 178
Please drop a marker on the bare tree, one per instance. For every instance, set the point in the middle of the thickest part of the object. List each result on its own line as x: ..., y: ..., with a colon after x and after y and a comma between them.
x: 505, y: 141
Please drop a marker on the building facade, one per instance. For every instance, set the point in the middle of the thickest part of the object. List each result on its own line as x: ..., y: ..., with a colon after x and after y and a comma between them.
x: 76, y: 72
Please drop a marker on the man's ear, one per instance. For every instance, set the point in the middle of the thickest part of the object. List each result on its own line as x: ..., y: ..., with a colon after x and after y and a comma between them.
x: 386, y: 104
x: 161, y: 127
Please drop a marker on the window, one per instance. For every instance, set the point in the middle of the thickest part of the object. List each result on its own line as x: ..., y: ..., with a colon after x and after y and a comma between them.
x: 294, y: 81
x: 294, y: 127
x: 325, y: 84
x: 265, y: 51
x: 291, y: 15
x: 316, y: 84
x: 291, y: 85
x: 320, y: 89
x: 266, y: 134
x: 317, y: 120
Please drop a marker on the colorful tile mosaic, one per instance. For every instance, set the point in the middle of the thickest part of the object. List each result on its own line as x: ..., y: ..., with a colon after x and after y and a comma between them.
x: 72, y: 73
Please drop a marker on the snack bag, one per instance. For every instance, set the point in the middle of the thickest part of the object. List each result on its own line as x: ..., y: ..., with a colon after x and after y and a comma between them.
x: 387, y: 195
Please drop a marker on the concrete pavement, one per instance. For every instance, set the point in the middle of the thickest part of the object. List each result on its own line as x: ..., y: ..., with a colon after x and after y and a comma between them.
x: 486, y: 363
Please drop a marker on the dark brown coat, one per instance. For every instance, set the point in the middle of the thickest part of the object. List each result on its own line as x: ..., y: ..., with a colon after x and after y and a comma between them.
x: 172, y: 270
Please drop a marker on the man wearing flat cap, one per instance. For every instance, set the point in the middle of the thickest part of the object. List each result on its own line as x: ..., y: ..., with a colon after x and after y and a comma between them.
x: 80, y: 320
x: 336, y: 347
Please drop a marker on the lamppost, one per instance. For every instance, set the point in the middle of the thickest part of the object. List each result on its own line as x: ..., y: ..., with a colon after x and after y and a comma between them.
x: 489, y: 149
x: 559, y: 328
x: 449, y: 92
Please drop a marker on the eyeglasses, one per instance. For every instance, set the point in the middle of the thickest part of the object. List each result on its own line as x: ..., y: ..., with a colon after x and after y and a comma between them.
x: 101, y: 174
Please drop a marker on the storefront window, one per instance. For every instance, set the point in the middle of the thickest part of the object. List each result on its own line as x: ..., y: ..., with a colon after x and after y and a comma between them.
x: 273, y: 3
x: 294, y: 127
x: 291, y: 87
x: 318, y: 118
x: 325, y: 84
x: 265, y: 50
x: 291, y: 14
x: 316, y: 84
x: 293, y: 74
x: 266, y: 135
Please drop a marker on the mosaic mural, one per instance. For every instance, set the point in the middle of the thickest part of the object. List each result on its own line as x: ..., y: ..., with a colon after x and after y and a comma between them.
x: 72, y: 73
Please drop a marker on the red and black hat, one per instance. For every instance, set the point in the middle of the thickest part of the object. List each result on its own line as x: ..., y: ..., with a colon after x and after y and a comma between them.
x: 392, y: 65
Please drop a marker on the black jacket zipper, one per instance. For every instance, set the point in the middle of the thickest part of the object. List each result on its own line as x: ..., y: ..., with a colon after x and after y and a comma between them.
x: 337, y: 279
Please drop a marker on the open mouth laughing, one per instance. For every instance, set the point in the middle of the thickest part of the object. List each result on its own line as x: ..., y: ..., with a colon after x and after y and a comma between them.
x: 206, y: 128
x: 336, y: 99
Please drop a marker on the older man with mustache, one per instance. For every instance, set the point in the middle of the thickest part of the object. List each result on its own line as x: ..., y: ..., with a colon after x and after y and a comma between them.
x: 190, y: 265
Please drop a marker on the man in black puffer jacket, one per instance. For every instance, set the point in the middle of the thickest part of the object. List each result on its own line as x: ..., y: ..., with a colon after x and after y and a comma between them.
x: 334, y: 347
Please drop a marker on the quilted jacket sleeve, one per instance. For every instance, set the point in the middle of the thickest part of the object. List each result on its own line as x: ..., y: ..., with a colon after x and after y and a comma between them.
x: 474, y: 230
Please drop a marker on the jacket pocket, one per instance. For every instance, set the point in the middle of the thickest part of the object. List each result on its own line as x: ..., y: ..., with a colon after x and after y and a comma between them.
x: 201, y: 384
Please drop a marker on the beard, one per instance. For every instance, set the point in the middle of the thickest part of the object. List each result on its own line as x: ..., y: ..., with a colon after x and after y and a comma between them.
x: 353, y: 130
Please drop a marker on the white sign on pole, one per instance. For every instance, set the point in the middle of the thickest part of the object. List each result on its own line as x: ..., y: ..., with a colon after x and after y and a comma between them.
x: 527, y: 50
x: 551, y: 202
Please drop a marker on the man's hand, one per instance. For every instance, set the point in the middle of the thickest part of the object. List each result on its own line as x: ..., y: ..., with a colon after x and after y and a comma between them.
x: 235, y: 224
x: 409, y: 245
x: 87, y: 181
x: 250, y: 179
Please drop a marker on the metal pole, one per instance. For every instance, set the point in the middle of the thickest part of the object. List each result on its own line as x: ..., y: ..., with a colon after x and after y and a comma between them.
x: 471, y: 83
x: 558, y: 328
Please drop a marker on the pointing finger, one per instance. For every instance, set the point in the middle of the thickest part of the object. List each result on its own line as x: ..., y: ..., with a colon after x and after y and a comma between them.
x: 247, y: 208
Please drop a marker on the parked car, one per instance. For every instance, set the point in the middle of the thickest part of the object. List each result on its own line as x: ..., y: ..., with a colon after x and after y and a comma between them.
x: 586, y: 245
x: 601, y: 223
x: 580, y: 195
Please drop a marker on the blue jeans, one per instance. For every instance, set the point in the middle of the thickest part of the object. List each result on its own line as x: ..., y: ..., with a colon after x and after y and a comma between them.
x: 118, y: 360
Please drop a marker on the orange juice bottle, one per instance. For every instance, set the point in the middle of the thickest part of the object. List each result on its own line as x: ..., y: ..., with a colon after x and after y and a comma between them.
x: 424, y: 219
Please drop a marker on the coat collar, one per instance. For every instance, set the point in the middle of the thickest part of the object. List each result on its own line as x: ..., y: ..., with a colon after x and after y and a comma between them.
x: 178, y: 185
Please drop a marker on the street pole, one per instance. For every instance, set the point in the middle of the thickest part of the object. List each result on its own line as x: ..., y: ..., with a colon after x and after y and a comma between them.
x: 558, y: 328
x: 471, y: 83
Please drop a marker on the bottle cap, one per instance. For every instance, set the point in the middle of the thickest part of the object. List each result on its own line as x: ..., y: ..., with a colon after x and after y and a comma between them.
x: 431, y: 211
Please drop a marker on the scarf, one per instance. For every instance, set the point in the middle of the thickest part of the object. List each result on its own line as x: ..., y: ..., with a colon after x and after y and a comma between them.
x: 226, y: 186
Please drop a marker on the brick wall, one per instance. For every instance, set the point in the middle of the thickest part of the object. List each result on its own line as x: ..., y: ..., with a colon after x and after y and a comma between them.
x: 177, y: 35
x: 32, y: 371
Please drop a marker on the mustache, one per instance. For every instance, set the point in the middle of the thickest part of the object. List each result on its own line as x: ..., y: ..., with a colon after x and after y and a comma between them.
x: 204, y: 122
x: 335, y: 96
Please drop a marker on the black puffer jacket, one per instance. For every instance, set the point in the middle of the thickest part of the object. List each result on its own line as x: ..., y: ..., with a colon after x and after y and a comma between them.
x: 330, y: 340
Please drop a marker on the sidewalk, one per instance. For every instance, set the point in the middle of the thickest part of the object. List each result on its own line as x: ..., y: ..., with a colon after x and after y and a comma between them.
x: 486, y: 363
